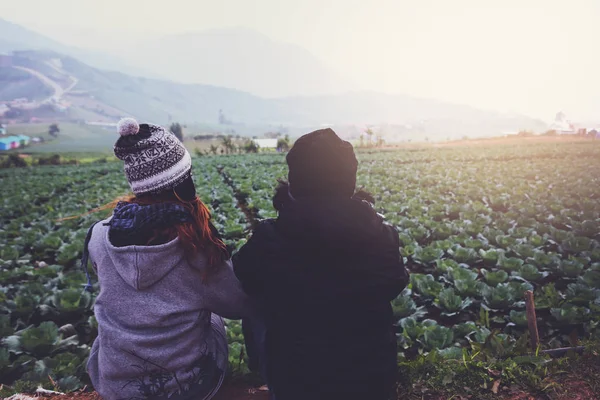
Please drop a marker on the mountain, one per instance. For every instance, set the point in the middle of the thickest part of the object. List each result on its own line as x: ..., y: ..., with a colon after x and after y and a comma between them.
x: 14, y: 37
x: 433, y: 118
x: 100, y: 95
x: 93, y: 94
x: 238, y: 58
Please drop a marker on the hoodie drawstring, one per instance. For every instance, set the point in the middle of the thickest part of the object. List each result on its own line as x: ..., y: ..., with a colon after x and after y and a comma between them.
x: 84, y: 259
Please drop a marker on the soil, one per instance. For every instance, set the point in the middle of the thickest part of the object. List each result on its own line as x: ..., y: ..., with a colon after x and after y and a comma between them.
x: 241, y: 200
x: 241, y: 392
x: 229, y: 392
x: 568, y: 388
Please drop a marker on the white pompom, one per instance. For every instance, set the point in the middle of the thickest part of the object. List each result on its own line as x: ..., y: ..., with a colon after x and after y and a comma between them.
x: 128, y: 126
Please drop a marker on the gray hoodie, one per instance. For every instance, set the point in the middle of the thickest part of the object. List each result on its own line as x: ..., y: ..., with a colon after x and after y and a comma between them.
x: 160, y: 331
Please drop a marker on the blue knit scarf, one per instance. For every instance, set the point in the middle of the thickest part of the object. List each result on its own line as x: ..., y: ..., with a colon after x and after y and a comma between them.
x: 131, y: 218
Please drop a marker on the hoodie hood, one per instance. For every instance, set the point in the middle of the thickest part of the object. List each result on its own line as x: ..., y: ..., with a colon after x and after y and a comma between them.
x: 143, y: 266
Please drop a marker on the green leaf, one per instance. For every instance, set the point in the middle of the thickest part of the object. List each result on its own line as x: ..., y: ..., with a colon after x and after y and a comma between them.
x: 468, y: 287
x: 530, y: 272
x: 403, y: 306
x: 543, y: 260
x: 451, y: 303
x: 414, y: 329
x: 451, y: 353
x: 446, y: 265
x: 510, y: 263
x: 463, y: 255
x: 69, y: 384
x: 519, y: 318
x: 499, y: 297
x: 71, y: 300
x: 460, y: 273
x: 581, y: 294
x: 577, y: 244
x: 426, y: 285
x: 569, y: 314
x: 592, y: 279
x: 571, y: 268
x: 5, y: 327
x: 494, y: 278
x: 39, y: 340
x: 4, y: 358
x: 427, y: 255
x: 437, y: 337
x: 547, y: 297
x: 491, y: 257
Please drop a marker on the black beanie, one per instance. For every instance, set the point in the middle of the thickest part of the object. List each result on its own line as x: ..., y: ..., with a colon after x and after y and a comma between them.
x: 322, y: 164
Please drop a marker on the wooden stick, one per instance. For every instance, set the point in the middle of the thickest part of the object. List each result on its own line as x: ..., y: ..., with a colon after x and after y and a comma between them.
x: 532, y: 320
x: 562, y: 351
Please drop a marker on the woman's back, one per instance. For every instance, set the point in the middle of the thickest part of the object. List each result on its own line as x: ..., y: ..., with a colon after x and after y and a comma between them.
x: 155, y: 325
x: 165, y: 280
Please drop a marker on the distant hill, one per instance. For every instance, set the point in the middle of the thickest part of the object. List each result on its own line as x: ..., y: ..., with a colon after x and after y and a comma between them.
x: 106, y: 95
x: 435, y: 119
x: 14, y: 37
x: 238, y: 58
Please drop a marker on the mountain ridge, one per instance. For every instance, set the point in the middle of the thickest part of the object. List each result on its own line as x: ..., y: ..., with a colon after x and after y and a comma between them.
x: 14, y: 37
x: 239, y: 58
x: 109, y: 95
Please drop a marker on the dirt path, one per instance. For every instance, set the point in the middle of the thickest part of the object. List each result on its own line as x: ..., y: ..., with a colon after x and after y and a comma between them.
x: 58, y: 90
x: 241, y: 200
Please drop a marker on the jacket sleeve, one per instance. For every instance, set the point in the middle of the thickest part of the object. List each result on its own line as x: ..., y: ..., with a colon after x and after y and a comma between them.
x: 249, y: 263
x: 224, y: 294
x: 394, y: 270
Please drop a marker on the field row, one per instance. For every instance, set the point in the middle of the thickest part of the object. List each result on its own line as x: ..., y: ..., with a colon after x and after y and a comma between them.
x: 478, y: 227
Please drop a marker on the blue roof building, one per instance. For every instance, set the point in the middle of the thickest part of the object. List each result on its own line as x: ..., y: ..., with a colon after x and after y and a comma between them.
x: 14, y: 142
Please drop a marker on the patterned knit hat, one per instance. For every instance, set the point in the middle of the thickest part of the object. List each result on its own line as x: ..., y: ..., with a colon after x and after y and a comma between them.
x: 155, y: 160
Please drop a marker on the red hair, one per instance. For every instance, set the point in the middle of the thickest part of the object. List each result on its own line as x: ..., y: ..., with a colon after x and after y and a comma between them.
x: 196, y: 236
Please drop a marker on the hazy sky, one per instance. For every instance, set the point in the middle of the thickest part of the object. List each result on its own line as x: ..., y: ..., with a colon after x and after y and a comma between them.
x: 531, y: 56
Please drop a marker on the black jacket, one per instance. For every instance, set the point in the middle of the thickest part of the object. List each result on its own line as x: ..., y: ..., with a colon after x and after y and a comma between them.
x: 324, y: 273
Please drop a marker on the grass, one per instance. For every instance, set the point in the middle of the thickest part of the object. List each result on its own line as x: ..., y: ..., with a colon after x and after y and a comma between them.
x: 79, y: 138
x: 73, y: 138
x: 432, y: 377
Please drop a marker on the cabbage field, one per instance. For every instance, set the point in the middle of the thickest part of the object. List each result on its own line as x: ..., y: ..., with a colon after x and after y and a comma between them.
x: 478, y: 227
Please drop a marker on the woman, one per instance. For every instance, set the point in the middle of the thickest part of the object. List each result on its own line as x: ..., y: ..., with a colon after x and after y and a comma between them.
x: 324, y: 273
x: 165, y: 280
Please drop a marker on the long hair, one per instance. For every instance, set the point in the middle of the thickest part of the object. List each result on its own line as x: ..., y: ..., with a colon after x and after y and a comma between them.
x: 195, y: 237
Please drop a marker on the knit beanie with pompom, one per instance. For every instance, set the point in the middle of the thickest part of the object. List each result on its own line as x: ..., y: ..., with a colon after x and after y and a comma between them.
x: 155, y: 160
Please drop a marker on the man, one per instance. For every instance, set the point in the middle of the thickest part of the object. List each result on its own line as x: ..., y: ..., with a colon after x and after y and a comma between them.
x: 324, y: 273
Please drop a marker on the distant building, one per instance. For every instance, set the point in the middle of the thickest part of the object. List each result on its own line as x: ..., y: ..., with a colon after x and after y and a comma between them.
x: 265, y: 143
x: 7, y: 143
x: 23, y: 140
x: 562, y: 125
x: 13, y: 142
x: 2, y: 129
x: 102, y: 124
x: 3, y: 109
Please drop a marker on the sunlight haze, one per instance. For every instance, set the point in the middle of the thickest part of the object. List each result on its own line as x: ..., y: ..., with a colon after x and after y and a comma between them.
x: 531, y: 57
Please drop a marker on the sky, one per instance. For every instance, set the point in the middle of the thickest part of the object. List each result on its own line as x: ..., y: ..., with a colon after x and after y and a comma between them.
x: 535, y: 57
